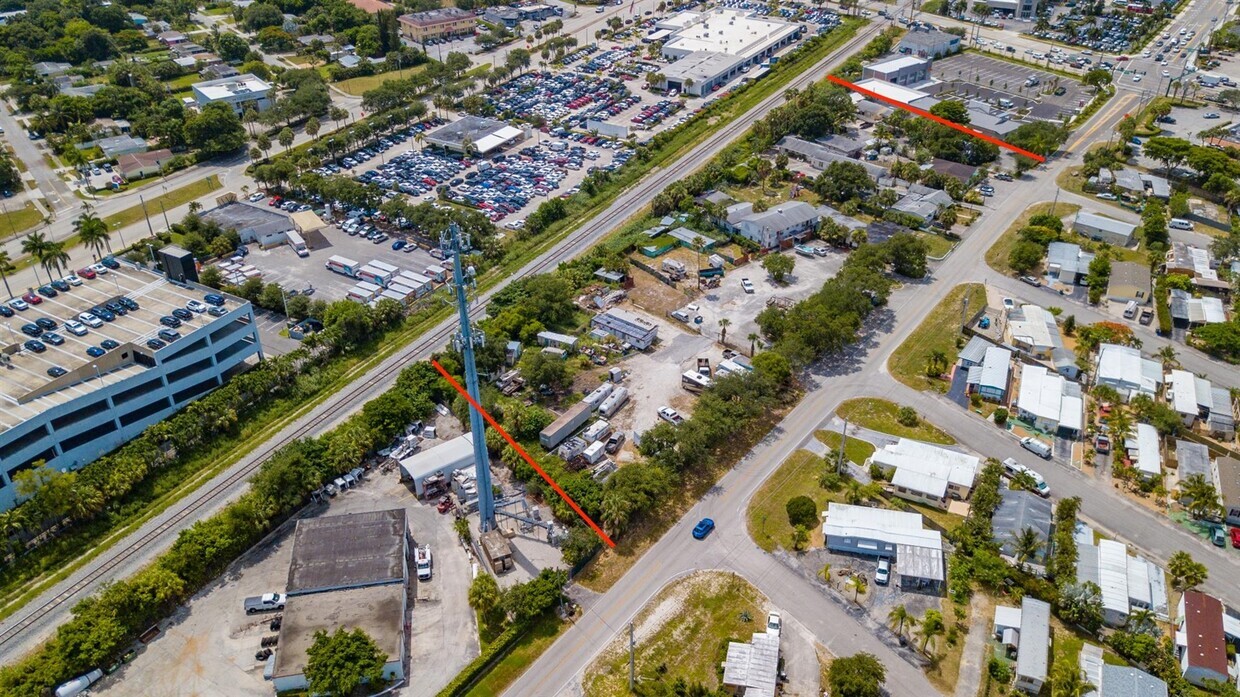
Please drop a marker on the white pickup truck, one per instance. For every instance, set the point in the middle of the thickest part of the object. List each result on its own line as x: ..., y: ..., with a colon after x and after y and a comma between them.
x: 267, y: 602
x: 423, y: 561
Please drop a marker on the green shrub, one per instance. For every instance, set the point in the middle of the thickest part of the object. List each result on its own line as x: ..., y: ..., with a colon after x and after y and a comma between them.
x: 478, y: 667
x: 1001, y: 416
x: 907, y: 416
x: 802, y: 511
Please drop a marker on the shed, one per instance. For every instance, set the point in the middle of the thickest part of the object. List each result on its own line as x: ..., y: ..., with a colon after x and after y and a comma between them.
x: 442, y: 459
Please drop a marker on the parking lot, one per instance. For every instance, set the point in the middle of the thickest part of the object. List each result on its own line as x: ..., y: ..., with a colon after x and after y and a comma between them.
x: 1117, y: 33
x: 208, y: 646
x: 990, y: 79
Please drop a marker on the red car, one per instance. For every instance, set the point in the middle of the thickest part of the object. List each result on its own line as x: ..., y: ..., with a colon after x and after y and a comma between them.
x: 1235, y: 538
x: 274, y: 200
x: 86, y: 272
x: 32, y: 298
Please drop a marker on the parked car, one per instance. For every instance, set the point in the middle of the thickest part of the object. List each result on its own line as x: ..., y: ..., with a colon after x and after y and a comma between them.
x: 169, y: 335
x: 56, y: 371
x: 32, y: 299
x: 1035, y: 282
x: 170, y: 321
x: 746, y: 285
x: 774, y: 623
x: 86, y: 272
x: 54, y: 339
x: 19, y: 304
x: 1218, y: 537
x: 703, y: 528
x: 882, y: 575
x: 35, y: 346
x: 109, y: 344
x: 195, y: 306
x: 213, y: 299
x: 75, y: 328
x: 1235, y: 537
x: 671, y: 416
x: 155, y: 344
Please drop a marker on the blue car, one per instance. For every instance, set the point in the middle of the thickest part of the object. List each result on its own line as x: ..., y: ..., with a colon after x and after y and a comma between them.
x: 95, y: 352
x: 398, y: 245
x: 703, y: 528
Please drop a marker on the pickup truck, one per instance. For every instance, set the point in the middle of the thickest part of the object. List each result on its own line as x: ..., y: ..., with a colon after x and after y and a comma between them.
x: 422, y: 559
x: 267, y: 602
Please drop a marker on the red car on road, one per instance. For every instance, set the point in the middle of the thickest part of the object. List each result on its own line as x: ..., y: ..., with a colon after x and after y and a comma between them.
x: 1235, y: 538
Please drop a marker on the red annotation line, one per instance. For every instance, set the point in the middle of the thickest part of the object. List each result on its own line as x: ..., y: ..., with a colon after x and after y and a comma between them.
x: 937, y: 119
x: 517, y: 446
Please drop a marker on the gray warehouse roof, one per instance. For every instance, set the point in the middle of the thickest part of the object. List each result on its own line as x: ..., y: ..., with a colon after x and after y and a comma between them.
x: 379, y: 611
x: 348, y: 551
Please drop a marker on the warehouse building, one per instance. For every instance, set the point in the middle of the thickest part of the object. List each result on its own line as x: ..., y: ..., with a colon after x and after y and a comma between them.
x: 628, y: 327
x: 439, y: 461
x: 710, y: 48
x: 475, y: 134
x: 348, y: 572
x: 96, y: 404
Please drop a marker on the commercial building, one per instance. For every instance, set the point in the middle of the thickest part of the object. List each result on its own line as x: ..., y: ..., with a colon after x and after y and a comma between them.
x: 1019, y: 511
x: 819, y: 156
x: 439, y: 461
x: 1103, y: 229
x: 627, y: 326
x: 1200, y: 643
x: 1050, y: 402
x: 909, y: 71
x: 926, y: 473
x: 420, y: 27
x: 990, y: 379
x: 512, y: 17
x: 242, y: 93
x: 928, y: 42
x: 791, y: 220
x: 712, y: 47
x: 1129, y: 282
x: 99, y: 403
x: 347, y: 572
x: 143, y: 164
x: 474, y: 134
x: 1127, y: 371
x: 259, y: 225
x: 1067, y: 262
x: 886, y: 534
x: 1024, y: 9
x: 752, y: 669
x: 1032, y: 329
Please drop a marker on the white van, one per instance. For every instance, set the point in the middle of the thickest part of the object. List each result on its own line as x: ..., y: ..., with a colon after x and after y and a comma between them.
x: 1005, y: 103
x: 1038, y: 447
x: 1180, y: 224
x: 1012, y: 468
x: 1130, y: 310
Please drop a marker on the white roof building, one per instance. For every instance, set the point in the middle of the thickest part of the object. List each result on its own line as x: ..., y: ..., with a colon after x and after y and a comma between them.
x: 1124, y: 369
x: 1033, y: 329
x: 923, y: 471
x: 1049, y: 400
x: 1145, y: 452
x: 884, y: 533
x: 751, y: 669
x: 1113, y: 576
x: 241, y: 92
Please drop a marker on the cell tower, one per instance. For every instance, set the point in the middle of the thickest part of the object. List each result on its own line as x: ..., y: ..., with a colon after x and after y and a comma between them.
x: 464, y: 340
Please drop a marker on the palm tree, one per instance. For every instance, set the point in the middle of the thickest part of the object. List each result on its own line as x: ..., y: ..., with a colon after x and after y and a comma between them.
x: 931, y: 628
x: 723, y: 330
x: 1027, y: 545
x: 93, y: 232
x: 900, y: 617
x: 54, y: 258
x: 858, y: 583
x: 6, y: 268
x: 1067, y: 681
x: 1168, y: 356
x: 35, y: 245
x: 753, y: 342
x: 1142, y: 621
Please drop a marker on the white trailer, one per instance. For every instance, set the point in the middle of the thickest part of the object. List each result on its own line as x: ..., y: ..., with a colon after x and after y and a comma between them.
x: 613, y: 403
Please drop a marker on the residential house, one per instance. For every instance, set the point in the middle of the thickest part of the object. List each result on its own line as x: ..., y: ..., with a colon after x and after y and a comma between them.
x: 791, y: 220
x: 51, y: 68
x: 1125, y: 581
x: 1144, y: 450
x: 370, y: 6
x: 627, y: 326
x: 887, y: 534
x: 990, y: 379
x: 926, y: 473
x: 992, y: 121
x: 1067, y: 262
x: 1198, y: 264
x: 171, y: 38
x: 1157, y: 187
x: 957, y: 170
x: 1116, y: 681
x: 923, y: 203
x: 1227, y: 483
x: 1197, y: 400
x: 752, y: 670
x: 1188, y: 312
x: 1129, y: 282
x: 1127, y: 371
x: 929, y: 43
x: 1019, y: 511
x: 241, y: 93
x: 1200, y: 644
x: 438, y: 23
x: 115, y: 146
x: 908, y: 70
x: 1192, y: 459
x: 1129, y: 182
x: 974, y: 352
x: 557, y: 340
x: 1034, y: 642
x: 1032, y: 329
x: 849, y: 147
x: 1050, y: 402
x: 218, y: 71
x: 1104, y: 229
x: 143, y: 164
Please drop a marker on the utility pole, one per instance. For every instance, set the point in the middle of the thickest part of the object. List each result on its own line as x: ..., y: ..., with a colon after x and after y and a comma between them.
x: 454, y: 243
x: 632, y: 646
x: 146, y: 215
x: 964, y: 311
x: 839, y: 467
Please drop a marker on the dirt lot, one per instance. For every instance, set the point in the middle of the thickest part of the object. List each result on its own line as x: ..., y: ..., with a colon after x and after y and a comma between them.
x: 208, y: 646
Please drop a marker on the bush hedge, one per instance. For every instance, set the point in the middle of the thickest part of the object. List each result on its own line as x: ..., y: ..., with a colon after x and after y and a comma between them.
x: 480, y: 666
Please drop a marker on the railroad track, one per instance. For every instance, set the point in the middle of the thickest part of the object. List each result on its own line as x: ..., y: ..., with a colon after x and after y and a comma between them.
x: 347, y: 400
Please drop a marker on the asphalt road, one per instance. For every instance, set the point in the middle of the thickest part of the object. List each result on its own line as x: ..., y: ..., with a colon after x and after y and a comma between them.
x: 860, y: 372
x: 40, y: 617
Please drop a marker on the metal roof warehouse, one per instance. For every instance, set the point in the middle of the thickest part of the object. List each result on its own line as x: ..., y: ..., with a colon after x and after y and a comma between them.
x: 348, y: 551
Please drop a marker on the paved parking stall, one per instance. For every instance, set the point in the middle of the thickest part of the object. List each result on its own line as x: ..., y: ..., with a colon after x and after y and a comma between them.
x: 991, y: 79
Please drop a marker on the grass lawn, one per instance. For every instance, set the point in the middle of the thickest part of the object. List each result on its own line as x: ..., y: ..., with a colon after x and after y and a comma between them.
x: 182, y: 83
x: 797, y: 476
x: 944, y: 669
x: 707, y: 609
x: 997, y: 255
x: 357, y: 85
x: 170, y: 200
x: 939, y: 245
x: 856, y: 450
x: 945, y: 520
x: 19, y: 220
x: 543, y: 634
x: 880, y: 415
x: 937, y: 332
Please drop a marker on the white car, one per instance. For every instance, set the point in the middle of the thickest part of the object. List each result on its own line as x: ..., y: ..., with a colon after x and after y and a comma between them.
x: 1107, y: 197
x: 75, y: 328
x: 90, y: 320
x: 73, y: 280
x: 195, y: 306
x: 99, y: 269
x: 1009, y: 303
x: 774, y: 623
x: 882, y: 576
x: 671, y: 416
x: 746, y: 285
x: 257, y: 196
x: 1166, y: 73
